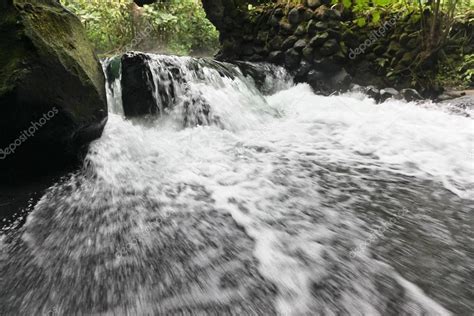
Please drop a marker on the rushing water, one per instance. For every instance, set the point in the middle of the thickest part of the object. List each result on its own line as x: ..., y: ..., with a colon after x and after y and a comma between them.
x: 286, y: 203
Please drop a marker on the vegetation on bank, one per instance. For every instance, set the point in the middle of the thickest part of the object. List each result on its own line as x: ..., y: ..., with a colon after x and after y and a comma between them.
x: 172, y: 26
x: 445, y: 28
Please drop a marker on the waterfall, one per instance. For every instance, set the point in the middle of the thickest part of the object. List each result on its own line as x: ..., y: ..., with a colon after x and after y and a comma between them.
x: 192, y: 90
x: 240, y: 192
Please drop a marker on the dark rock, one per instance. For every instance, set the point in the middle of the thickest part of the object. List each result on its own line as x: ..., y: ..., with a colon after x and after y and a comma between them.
x: 308, y: 15
x: 313, y: 4
x: 321, y: 26
x: 137, y: 86
x: 329, y: 47
x: 388, y: 93
x: 339, y: 57
x: 300, y: 30
x: 319, y: 39
x: 289, y: 42
x: 300, y: 44
x: 327, y: 83
x: 373, y: 93
x: 276, y: 42
x: 311, y: 28
x: 255, y: 58
x: 274, y: 21
x: 333, y: 14
x: 295, y: 16
x: 315, y: 78
x: 52, y: 89
x: 279, y: 12
x: 262, y: 38
x: 248, y: 50
x: 410, y: 95
x: 308, y: 53
x: 335, y: 34
x: 302, y: 71
x: 276, y: 57
x: 340, y: 81
x: 216, y: 9
x: 292, y: 59
x: 286, y: 28
x: 326, y: 64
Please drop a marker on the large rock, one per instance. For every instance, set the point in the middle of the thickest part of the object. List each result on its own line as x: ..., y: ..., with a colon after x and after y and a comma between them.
x: 52, y: 92
x: 138, y: 86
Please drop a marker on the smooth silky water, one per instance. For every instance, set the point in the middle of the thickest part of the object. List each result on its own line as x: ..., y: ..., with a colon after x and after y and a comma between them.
x: 284, y: 203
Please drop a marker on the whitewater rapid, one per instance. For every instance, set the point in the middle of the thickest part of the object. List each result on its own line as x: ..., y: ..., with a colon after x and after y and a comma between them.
x: 262, y: 213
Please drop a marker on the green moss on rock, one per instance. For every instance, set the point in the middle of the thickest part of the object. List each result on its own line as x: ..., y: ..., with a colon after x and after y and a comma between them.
x: 47, y: 62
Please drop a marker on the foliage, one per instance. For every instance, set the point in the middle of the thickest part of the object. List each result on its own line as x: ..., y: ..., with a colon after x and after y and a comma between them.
x: 183, y: 26
x: 173, y: 26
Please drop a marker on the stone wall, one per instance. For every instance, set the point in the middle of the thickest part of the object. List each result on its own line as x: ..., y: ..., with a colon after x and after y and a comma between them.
x: 322, y: 45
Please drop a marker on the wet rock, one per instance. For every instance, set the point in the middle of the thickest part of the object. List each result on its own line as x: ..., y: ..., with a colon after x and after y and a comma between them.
x: 289, y: 42
x: 326, y: 64
x: 276, y: 42
x: 300, y: 44
x: 388, y: 93
x: 373, y: 92
x: 321, y: 26
x: 292, y: 58
x: 51, y: 86
x: 313, y: 4
x: 295, y: 16
x: 276, y: 57
x: 329, y: 47
x: 137, y: 86
x: 279, y: 13
x: 308, y: 53
x: 319, y: 39
x: 286, y: 28
x: 274, y: 21
x: 248, y: 50
x: 311, y: 28
x: 302, y: 71
x: 341, y: 80
x: 410, y: 95
x: 315, y: 78
x: 327, y: 83
x: 308, y: 15
x: 301, y: 30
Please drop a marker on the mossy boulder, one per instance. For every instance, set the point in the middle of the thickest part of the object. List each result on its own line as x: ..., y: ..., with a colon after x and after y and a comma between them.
x: 47, y: 66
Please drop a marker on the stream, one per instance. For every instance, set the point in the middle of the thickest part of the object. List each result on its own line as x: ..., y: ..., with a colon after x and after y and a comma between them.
x: 254, y: 199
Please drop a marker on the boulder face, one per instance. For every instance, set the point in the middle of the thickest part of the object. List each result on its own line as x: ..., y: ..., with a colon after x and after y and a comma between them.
x: 137, y: 85
x: 52, y: 93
